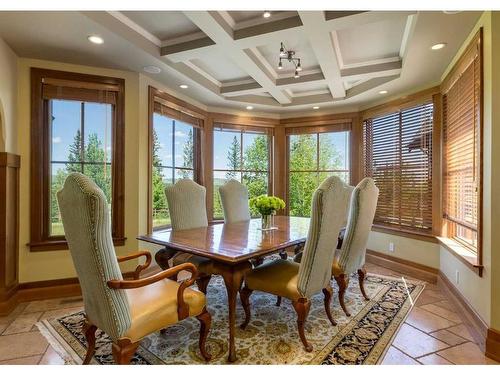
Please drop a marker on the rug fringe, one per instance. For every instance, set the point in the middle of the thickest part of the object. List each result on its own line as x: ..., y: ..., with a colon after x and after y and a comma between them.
x: 55, y: 344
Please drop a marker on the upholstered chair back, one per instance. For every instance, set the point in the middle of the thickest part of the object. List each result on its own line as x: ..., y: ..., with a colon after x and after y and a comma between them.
x: 329, y: 205
x: 361, y: 213
x: 344, y: 223
x: 187, y: 205
x: 234, y: 198
x: 87, y: 227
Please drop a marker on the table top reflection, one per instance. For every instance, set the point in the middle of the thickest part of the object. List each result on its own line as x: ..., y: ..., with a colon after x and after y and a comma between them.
x: 235, y: 242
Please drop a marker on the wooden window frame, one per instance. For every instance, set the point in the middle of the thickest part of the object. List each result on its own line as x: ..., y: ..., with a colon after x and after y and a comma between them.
x: 458, y: 248
x: 78, y: 87
x: 241, y: 129
x: 334, y: 126
x: 181, y: 111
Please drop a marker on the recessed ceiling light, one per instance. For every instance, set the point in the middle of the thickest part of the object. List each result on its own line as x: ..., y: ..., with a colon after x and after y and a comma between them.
x: 183, y: 86
x: 315, y: 107
x: 438, y: 46
x: 383, y: 92
x: 249, y: 107
x: 152, y: 69
x: 451, y: 11
x: 96, y: 39
x: 266, y: 14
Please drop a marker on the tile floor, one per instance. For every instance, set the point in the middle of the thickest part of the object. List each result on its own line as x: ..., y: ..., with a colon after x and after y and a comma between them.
x: 433, y: 333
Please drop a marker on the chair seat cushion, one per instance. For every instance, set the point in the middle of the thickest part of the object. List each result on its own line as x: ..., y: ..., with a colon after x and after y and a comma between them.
x: 154, y: 307
x: 278, y: 277
x: 204, y: 265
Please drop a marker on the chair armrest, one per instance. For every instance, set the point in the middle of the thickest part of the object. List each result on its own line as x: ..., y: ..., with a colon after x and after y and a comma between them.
x: 182, y: 307
x: 140, y: 267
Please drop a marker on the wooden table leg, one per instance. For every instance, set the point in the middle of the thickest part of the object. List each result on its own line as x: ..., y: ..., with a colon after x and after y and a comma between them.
x: 162, y: 257
x: 233, y: 278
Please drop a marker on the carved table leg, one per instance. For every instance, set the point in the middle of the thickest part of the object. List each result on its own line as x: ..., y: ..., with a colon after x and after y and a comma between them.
x: 163, y: 256
x: 233, y: 278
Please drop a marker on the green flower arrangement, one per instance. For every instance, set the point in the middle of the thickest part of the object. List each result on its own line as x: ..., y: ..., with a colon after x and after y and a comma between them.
x: 266, y: 205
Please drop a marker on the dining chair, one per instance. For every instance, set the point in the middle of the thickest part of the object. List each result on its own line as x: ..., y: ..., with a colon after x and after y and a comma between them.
x: 234, y: 199
x: 299, y: 282
x: 351, y: 256
x: 126, y: 310
x: 187, y: 206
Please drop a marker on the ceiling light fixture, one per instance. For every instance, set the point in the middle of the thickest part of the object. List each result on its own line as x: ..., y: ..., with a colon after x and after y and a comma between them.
x: 266, y: 14
x: 289, y: 56
x: 435, y: 47
x: 383, y: 92
x: 249, y: 107
x: 152, y: 69
x: 315, y: 107
x: 183, y: 86
x: 96, y: 39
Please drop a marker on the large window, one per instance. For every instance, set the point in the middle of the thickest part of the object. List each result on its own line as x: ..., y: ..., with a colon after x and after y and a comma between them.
x: 77, y: 126
x: 243, y: 154
x: 398, y: 156
x: 312, y: 158
x: 175, y: 150
x: 462, y: 156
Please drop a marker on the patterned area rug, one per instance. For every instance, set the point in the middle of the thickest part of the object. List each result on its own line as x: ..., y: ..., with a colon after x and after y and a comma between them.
x: 271, y: 337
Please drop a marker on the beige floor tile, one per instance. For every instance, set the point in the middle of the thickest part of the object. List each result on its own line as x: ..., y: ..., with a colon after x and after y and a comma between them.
x: 427, y: 321
x: 448, y: 337
x: 415, y: 343
x: 51, y: 314
x: 462, y: 331
x: 434, y: 359
x: 428, y: 296
x: 22, y: 345
x: 442, y: 312
x: 397, y: 357
x: 23, y: 323
x: 53, y: 304
x: 448, y: 305
x: 33, y: 360
x: 466, y: 354
x: 51, y: 358
x: 2, y: 327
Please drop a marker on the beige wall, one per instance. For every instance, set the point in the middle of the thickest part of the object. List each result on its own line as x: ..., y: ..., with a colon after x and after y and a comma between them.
x: 35, y: 266
x: 422, y: 252
x: 8, y: 98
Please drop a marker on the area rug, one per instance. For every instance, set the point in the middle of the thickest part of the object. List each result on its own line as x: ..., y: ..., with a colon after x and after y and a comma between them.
x: 271, y: 337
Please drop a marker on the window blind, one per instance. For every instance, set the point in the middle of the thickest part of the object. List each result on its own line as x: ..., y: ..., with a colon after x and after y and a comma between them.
x: 461, y: 148
x: 397, y: 153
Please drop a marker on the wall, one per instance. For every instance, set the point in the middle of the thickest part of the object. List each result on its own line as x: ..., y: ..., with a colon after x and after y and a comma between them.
x: 36, y: 266
x: 477, y: 290
x: 8, y: 98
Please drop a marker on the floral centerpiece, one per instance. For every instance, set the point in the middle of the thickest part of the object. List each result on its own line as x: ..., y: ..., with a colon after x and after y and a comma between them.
x: 267, y: 206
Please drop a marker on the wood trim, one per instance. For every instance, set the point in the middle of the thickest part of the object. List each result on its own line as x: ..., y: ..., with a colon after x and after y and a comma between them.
x: 476, y: 325
x: 493, y: 344
x: 39, y: 159
x: 178, y: 104
x: 319, y: 120
x: 436, y: 165
x: 224, y: 118
x: 404, y: 266
x: 472, y: 264
x: 400, y: 103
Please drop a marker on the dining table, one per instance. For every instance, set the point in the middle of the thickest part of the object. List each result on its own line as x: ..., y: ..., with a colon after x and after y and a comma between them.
x: 232, y: 247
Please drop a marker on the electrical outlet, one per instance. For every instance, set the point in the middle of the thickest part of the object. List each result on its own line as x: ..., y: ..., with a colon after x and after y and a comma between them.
x: 391, y: 247
x: 457, y: 277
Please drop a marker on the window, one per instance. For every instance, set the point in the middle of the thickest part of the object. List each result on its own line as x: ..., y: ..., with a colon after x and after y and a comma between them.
x: 462, y: 153
x: 175, y: 152
x: 243, y: 154
x: 397, y: 153
x: 77, y: 126
x: 313, y: 157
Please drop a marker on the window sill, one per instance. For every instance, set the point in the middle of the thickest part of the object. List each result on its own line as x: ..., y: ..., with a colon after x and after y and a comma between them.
x: 405, y: 233
x: 462, y: 253
x: 56, y: 245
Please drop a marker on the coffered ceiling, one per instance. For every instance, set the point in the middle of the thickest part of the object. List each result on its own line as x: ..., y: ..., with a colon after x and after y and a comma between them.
x: 230, y: 58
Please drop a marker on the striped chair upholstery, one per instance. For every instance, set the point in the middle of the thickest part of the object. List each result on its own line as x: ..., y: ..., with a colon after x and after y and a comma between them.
x: 299, y: 282
x: 87, y: 227
x: 234, y: 198
x: 187, y: 206
x: 351, y: 256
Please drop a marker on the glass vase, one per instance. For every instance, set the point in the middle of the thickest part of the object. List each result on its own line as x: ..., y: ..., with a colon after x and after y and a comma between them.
x: 267, y: 222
